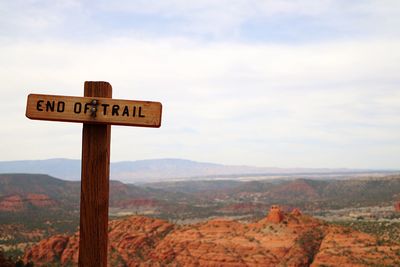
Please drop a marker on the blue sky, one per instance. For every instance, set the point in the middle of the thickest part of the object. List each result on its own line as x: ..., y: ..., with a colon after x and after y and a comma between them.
x: 267, y: 83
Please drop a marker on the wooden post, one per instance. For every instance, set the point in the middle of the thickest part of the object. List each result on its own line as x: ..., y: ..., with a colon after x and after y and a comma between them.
x: 97, y: 111
x: 95, y: 185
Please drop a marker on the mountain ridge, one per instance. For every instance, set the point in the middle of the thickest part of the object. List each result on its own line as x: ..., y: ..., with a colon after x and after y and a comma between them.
x: 154, y: 170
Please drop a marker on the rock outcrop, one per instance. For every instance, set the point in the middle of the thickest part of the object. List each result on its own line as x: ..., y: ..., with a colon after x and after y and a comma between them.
x: 343, y: 247
x: 48, y: 250
x: 130, y: 241
x: 275, y: 214
x: 298, y: 240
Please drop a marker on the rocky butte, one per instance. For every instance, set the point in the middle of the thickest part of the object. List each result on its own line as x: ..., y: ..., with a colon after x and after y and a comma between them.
x: 280, y: 239
x: 275, y: 214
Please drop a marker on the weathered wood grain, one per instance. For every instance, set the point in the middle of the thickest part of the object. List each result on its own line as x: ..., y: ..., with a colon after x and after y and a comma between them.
x: 109, y: 111
x: 95, y: 186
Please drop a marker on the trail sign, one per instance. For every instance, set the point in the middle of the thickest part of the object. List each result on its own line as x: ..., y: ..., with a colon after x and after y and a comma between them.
x: 94, y: 110
x: 97, y: 111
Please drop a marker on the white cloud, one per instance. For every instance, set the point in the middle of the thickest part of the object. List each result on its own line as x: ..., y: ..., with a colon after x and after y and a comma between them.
x: 326, y: 105
x: 273, y: 20
x: 227, y: 18
x: 285, y: 83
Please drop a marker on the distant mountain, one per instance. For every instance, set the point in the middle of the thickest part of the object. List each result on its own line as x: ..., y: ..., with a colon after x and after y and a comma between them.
x: 141, y: 171
x: 62, y: 168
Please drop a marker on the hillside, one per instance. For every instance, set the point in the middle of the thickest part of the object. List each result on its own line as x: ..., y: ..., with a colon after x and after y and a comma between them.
x: 296, y: 240
x: 22, y: 194
x: 23, y: 184
x: 304, y: 193
x: 62, y: 194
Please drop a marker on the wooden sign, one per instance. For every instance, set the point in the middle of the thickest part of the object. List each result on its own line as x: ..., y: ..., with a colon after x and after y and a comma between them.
x: 94, y: 110
x: 97, y: 110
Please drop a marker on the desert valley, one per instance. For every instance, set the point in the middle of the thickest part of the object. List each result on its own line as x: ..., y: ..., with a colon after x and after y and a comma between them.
x: 315, y: 219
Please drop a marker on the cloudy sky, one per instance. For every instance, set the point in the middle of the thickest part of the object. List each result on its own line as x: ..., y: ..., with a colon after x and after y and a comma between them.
x: 283, y: 83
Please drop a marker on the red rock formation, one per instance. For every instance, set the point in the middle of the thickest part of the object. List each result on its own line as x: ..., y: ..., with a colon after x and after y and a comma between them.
x: 397, y: 206
x: 345, y: 247
x: 12, y: 203
x: 275, y: 214
x: 130, y: 240
x: 48, y: 250
x: 303, y: 240
x: 17, y: 203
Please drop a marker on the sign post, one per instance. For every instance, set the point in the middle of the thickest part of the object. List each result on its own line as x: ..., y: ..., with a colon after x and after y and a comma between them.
x: 97, y: 111
x: 95, y: 185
